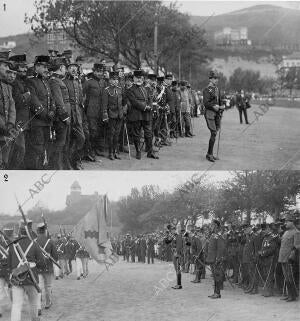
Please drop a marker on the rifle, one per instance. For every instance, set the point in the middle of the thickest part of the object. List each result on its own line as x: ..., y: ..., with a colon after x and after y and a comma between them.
x: 24, y: 261
x: 46, y: 254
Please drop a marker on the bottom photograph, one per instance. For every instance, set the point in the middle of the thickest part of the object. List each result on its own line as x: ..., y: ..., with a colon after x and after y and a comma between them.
x: 106, y: 246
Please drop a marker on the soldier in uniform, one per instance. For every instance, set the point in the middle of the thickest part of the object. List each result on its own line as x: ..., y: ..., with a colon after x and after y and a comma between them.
x: 232, y: 253
x: 46, y: 272
x: 113, y: 111
x: 82, y: 260
x: 197, y: 254
x: 269, y: 259
x: 93, y: 90
x: 127, y: 246
x: 290, y: 243
x: 242, y: 104
x: 176, y: 240
x: 21, y: 96
x: 7, y: 112
x: 62, y: 120
x: 21, y: 286
x: 143, y: 248
x: 185, y: 107
x: 212, y: 104
x: 215, y: 257
x: 150, y: 249
x: 41, y: 114
x: 77, y: 135
x: 140, y: 115
x: 62, y: 258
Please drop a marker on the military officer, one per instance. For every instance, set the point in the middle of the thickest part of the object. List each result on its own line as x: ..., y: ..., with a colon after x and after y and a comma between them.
x: 212, y: 104
x: 185, y: 107
x: 290, y: 243
x: 113, y: 111
x: 7, y: 112
x: 215, y: 257
x: 150, y: 249
x: 41, y: 114
x: 46, y: 272
x: 197, y: 253
x: 176, y: 240
x: 77, y: 135
x: 93, y: 90
x: 62, y: 120
x: 140, y: 115
x: 21, y: 96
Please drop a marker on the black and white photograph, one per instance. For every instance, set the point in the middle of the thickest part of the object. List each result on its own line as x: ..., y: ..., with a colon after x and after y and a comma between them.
x: 149, y: 160
x: 149, y: 85
x: 163, y: 246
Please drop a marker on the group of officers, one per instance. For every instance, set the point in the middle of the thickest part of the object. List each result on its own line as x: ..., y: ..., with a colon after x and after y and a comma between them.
x: 262, y: 258
x: 53, y: 116
x: 26, y: 270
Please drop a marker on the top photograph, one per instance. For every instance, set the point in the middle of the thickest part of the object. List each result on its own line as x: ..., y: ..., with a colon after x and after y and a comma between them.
x: 149, y: 85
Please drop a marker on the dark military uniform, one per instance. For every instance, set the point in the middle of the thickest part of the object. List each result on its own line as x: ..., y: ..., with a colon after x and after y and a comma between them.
x: 21, y: 96
x: 232, y: 255
x: 77, y: 135
x: 41, y: 114
x: 197, y: 253
x: 150, y: 250
x: 61, y: 123
x: 113, y: 111
x: 139, y: 117
x: 215, y: 257
x: 211, y: 98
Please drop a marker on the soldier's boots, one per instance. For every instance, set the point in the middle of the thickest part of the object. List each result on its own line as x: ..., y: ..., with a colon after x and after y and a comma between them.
x: 178, y: 286
x: 210, y: 158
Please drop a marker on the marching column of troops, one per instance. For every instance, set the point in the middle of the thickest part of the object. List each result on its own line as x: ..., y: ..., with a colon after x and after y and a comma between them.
x: 25, y: 270
x: 262, y: 258
x: 52, y: 116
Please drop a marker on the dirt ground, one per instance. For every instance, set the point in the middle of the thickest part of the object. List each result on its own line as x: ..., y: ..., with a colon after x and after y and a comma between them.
x: 271, y: 141
x: 142, y: 292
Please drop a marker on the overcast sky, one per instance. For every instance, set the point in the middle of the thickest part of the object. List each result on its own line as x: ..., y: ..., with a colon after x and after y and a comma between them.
x: 115, y: 184
x: 12, y: 20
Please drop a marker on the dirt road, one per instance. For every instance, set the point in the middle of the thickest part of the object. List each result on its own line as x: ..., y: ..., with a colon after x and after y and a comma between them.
x: 142, y: 292
x: 271, y: 141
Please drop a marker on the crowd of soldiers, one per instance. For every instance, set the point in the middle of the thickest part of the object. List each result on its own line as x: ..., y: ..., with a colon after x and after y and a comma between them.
x: 26, y: 270
x: 53, y: 116
x: 262, y: 258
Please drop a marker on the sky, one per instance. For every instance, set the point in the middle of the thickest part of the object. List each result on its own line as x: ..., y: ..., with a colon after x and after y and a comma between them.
x: 12, y: 20
x: 56, y: 185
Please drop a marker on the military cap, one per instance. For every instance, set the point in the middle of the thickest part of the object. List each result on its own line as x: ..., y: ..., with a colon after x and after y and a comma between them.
x: 183, y: 83
x: 213, y: 74
x: 98, y: 66
x: 160, y: 78
x: 19, y: 59
x: 42, y: 60
x: 152, y: 76
x: 174, y: 83
x: 41, y: 226
x: 263, y: 226
x: 4, y: 56
x: 8, y: 231
x: 67, y: 53
x: 57, y: 62
x: 169, y: 75
x: 217, y: 222
x: 138, y: 73
x: 114, y: 74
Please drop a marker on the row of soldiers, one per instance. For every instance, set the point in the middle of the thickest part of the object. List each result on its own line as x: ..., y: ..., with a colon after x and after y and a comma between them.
x: 262, y: 258
x: 53, y: 116
x: 26, y: 270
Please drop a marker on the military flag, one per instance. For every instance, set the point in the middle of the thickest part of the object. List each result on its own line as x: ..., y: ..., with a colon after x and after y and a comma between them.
x: 92, y: 232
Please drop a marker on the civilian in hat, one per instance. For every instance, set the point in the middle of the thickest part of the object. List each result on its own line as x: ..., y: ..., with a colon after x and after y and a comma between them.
x: 93, y: 91
x: 22, y: 97
x: 113, y: 112
x: 46, y: 272
x: 60, y: 156
x: 42, y: 113
x: 185, y: 108
x: 290, y: 243
x: 77, y: 133
x: 212, y: 104
x: 242, y: 103
x: 140, y: 115
x: 7, y: 112
x: 25, y: 286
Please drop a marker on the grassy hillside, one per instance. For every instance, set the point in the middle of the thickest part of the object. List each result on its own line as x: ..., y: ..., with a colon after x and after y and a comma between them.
x: 268, y: 24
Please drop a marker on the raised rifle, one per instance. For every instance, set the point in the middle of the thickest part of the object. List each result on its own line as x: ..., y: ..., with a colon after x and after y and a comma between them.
x: 45, y: 253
